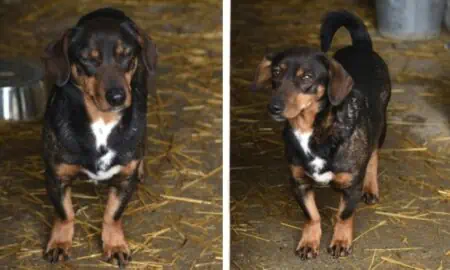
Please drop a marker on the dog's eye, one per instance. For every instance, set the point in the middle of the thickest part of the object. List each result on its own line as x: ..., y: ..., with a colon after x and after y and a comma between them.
x: 307, y: 76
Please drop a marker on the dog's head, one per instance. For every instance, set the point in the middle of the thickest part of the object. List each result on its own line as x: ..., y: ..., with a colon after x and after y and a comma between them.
x: 301, y: 78
x: 101, y: 56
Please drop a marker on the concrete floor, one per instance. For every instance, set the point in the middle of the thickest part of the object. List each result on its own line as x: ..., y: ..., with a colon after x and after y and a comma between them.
x: 411, y: 224
x: 175, y: 219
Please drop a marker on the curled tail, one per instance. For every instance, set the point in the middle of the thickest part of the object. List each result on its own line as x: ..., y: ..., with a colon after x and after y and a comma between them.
x: 335, y: 20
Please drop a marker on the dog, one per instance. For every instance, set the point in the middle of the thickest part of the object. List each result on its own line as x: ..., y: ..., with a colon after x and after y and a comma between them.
x: 99, y: 74
x: 334, y: 109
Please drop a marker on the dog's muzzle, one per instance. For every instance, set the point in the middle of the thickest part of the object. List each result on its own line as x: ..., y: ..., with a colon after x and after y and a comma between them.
x: 276, y: 108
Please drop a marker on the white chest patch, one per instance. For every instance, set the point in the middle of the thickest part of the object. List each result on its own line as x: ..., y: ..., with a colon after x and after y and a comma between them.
x: 101, y: 132
x: 323, y: 178
x: 317, y: 164
x: 303, y: 139
x: 103, y: 175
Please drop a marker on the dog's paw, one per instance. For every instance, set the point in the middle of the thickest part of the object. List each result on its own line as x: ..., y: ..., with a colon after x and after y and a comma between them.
x: 307, y: 251
x: 58, y: 253
x: 58, y: 247
x: 308, y: 246
x: 370, y: 198
x: 115, y: 246
x: 341, y: 244
x: 340, y: 249
x: 120, y: 253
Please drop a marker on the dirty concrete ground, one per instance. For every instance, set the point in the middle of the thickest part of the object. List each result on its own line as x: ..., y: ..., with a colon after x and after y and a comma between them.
x: 410, y: 227
x: 175, y: 219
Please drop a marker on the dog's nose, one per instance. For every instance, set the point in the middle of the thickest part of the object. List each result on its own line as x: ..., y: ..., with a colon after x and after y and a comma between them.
x: 276, y: 107
x: 115, y: 96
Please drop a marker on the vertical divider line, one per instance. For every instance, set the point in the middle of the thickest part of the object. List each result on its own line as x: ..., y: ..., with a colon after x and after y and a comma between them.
x: 226, y: 25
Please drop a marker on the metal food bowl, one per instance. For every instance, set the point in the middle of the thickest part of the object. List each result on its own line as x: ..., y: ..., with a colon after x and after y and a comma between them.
x: 23, y: 95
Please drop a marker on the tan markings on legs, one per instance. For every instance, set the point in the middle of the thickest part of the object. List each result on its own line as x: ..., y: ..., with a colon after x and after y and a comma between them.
x: 310, y: 204
x: 141, y: 171
x: 112, y: 205
x: 297, y: 172
x: 343, y: 180
x: 308, y: 246
x: 112, y: 234
x: 62, y: 230
x: 129, y: 169
x: 343, y: 233
x: 66, y: 172
x: 370, y: 187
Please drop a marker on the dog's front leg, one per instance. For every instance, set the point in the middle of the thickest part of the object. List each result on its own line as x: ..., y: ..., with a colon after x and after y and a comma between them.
x: 341, y: 243
x: 308, y: 246
x: 113, y: 237
x: 58, y: 181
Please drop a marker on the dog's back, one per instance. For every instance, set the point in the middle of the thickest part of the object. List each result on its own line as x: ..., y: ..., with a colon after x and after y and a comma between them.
x: 368, y: 70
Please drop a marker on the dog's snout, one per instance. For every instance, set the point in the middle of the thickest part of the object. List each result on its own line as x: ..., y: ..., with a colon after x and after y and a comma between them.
x: 276, y: 106
x: 116, y: 96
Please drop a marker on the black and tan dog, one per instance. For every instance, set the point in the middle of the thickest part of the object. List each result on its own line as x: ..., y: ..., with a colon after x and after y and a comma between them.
x: 336, y: 121
x: 99, y: 73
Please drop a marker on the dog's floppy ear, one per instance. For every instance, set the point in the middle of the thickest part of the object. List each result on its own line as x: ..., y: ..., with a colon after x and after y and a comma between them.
x: 263, y: 73
x: 340, y: 83
x: 149, y: 54
x: 56, y: 59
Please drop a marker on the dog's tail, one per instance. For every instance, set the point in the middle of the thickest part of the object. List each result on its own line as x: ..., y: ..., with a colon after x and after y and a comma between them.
x: 335, y: 20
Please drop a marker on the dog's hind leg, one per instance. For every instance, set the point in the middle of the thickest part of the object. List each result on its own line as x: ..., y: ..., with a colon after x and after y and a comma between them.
x: 113, y: 237
x: 58, y: 180
x: 370, y: 187
x: 308, y: 246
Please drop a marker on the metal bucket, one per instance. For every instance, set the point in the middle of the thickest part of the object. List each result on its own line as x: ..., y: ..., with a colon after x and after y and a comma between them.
x: 22, y: 93
x: 447, y: 15
x: 410, y: 19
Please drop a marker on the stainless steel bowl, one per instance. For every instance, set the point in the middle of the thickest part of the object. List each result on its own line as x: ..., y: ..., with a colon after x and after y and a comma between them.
x: 23, y: 95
